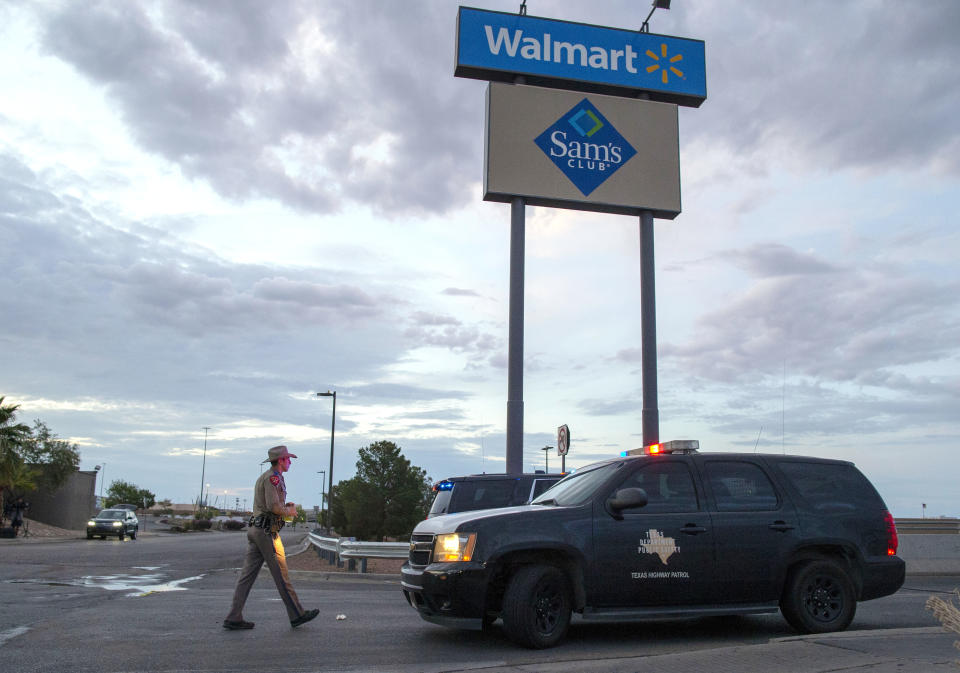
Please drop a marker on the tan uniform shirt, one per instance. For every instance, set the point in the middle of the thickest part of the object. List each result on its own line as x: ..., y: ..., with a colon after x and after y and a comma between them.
x: 269, y: 493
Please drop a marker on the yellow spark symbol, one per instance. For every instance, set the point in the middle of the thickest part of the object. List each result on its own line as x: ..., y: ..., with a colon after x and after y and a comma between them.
x: 656, y: 66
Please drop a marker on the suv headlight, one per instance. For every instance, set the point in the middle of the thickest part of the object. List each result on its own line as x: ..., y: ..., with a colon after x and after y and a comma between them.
x: 453, y: 547
x: 91, y: 523
x: 117, y: 523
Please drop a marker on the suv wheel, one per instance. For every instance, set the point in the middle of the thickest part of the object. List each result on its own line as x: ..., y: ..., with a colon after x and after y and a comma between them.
x: 536, y: 606
x: 133, y: 534
x: 120, y: 535
x: 818, y: 598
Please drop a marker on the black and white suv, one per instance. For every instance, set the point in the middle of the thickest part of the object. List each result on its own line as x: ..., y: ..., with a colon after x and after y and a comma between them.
x: 672, y: 533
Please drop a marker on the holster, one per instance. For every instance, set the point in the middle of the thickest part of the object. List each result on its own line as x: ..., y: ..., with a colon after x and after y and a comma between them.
x: 267, y: 521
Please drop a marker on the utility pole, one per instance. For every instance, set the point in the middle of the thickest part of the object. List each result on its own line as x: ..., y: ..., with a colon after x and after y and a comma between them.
x: 203, y: 470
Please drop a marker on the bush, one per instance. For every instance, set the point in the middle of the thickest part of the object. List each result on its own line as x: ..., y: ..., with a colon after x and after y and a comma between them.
x: 200, y: 524
x: 231, y: 524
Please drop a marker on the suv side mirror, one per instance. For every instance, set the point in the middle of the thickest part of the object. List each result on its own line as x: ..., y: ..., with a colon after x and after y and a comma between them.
x: 626, y: 498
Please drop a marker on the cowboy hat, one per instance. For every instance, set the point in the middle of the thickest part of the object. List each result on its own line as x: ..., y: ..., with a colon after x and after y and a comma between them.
x: 278, y: 452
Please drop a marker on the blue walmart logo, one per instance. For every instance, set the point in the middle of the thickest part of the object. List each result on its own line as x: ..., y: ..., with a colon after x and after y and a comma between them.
x: 585, y: 146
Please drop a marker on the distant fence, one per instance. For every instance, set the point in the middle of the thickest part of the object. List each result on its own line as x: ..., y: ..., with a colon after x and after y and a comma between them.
x: 928, y: 526
x: 336, y: 550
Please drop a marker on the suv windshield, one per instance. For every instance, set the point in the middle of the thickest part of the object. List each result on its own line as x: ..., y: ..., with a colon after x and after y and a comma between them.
x: 112, y: 514
x: 578, y: 487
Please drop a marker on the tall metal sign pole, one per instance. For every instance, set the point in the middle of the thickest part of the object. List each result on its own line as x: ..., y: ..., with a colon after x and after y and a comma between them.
x: 650, y: 413
x: 515, y: 338
x: 581, y: 117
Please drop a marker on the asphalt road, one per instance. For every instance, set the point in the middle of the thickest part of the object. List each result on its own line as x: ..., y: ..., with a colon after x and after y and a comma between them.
x: 157, y: 603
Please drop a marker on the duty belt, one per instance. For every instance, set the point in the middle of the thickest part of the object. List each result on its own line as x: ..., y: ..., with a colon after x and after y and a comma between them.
x: 266, y: 521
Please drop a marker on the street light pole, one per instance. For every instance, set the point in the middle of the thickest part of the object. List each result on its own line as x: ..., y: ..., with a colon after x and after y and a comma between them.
x: 333, y: 422
x: 546, y: 458
x: 203, y: 471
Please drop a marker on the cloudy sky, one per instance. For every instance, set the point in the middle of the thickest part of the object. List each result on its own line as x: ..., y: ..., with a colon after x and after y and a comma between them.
x: 210, y: 211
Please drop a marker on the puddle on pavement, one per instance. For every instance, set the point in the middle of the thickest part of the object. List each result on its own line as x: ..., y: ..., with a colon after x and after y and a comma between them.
x: 136, y: 585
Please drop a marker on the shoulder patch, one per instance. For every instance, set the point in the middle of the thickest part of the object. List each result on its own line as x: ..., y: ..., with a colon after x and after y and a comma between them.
x: 274, y: 479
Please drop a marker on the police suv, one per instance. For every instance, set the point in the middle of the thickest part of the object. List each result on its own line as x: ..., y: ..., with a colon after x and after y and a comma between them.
x: 668, y: 532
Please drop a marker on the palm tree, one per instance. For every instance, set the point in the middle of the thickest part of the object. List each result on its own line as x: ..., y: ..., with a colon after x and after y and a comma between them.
x: 15, y: 475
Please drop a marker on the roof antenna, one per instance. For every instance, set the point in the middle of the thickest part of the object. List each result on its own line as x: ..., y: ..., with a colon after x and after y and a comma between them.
x: 523, y: 8
x: 758, y: 440
x: 645, y: 28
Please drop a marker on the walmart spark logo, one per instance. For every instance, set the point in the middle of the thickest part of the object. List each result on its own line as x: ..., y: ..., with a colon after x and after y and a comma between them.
x: 664, y: 67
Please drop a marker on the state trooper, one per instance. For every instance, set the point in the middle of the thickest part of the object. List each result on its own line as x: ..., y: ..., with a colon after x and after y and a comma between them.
x: 264, y: 545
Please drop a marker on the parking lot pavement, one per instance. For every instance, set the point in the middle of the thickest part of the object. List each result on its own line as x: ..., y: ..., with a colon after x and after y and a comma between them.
x: 917, y: 650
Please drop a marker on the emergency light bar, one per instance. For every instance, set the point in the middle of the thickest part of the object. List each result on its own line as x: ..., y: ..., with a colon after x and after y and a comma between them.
x: 673, y: 446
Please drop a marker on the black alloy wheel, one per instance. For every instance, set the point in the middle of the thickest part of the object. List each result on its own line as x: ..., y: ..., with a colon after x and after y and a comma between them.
x: 819, y: 598
x: 537, y: 606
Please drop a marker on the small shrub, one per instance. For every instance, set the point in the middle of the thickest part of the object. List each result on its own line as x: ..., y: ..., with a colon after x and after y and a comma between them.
x: 230, y: 524
x: 200, y: 524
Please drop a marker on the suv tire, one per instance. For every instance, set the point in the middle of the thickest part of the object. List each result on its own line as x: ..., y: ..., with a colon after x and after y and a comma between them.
x: 818, y: 598
x: 536, y: 606
x: 133, y: 534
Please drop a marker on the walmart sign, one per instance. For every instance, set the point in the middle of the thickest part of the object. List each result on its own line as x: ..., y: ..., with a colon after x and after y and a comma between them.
x: 499, y: 46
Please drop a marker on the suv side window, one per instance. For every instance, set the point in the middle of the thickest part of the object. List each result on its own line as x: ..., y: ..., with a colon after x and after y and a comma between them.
x: 832, y: 487
x: 669, y: 487
x: 739, y: 486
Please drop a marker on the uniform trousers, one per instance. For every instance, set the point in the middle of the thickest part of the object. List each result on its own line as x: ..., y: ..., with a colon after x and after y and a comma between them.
x: 264, y: 547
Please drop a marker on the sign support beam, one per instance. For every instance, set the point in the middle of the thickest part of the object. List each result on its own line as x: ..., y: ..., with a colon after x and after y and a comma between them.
x: 515, y: 345
x: 650, y: 414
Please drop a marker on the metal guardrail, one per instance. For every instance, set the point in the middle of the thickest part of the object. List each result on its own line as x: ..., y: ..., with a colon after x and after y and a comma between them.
x: 928, y: 526
x: 337, y: 549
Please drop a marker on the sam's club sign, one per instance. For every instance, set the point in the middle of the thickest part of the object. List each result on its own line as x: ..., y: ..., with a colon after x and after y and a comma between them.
x: 585, y: 146
x: 499, y: 46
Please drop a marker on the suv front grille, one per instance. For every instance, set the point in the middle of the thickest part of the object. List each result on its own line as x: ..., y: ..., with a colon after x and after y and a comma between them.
x: 421, y: 549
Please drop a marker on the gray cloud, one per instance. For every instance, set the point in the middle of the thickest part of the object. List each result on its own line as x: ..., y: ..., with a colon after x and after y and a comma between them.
x: 458, y: 292
x: 240, y: 108
x: 774, y: 259
x: 837, y: 325
x: 104, y: 308
x: 831, y: 84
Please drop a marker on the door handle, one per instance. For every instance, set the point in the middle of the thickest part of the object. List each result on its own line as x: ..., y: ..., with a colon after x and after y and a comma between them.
x: 781, y: 526
x: 693, y: 529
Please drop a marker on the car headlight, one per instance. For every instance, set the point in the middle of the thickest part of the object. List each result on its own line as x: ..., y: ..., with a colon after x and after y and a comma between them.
x: 453, y: 547
x: 91, y: 524
x: 117, y: 523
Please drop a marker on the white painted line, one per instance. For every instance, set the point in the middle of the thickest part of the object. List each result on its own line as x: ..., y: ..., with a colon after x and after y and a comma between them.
x: 10, y: 634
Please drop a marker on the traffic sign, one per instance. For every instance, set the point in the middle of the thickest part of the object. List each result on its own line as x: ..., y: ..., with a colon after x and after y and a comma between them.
x: 563, y: 440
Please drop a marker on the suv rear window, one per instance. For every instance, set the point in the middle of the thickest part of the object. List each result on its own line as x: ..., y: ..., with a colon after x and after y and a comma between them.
x: 831, y: 486
x: 484, y: 494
